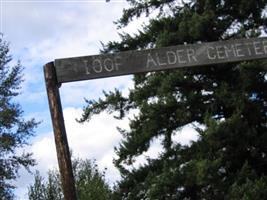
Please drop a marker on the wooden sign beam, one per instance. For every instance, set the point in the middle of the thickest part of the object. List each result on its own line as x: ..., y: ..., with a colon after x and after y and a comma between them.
x: 130, y: 62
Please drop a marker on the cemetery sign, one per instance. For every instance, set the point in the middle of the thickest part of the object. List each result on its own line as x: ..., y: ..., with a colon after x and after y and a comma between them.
x: 130, y: 62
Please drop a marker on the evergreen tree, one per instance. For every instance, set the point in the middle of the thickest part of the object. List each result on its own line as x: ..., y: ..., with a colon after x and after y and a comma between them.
x: 14, y: 130
x: 90, y: 183
x: 228, y: 161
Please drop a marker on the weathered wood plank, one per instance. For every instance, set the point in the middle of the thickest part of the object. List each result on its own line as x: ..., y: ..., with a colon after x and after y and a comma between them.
x: 130, y: 62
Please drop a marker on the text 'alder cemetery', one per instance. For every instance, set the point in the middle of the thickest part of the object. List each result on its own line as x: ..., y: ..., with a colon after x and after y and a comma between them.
x: 130, y: 62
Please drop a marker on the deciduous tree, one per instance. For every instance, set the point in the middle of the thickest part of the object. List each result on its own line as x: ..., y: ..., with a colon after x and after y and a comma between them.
x: 90, y: 183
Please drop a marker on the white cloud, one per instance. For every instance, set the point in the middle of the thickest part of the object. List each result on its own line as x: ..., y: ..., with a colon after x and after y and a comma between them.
x: 93, y: 140
x: 186, y: 135
x: 74, y: 93
x: 54, y: 20
x: 39, y: 32
x: 106, y: 163
x: 45, y: 153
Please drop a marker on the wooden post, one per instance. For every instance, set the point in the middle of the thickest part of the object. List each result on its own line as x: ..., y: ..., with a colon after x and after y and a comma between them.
x: 63, y: 153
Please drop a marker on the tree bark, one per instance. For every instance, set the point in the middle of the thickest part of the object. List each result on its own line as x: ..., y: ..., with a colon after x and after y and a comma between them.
x: 62, y: 148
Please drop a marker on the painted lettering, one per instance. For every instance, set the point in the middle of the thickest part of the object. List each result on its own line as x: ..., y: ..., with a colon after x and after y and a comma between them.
x: 264, y: 44
x: 191, y: 55
x: 248, y: 48
x: 257, y: 48
x: 239, y: 50
x: 87, y: 70
x: 171, y: 57
x: 117, y: 62
x: 180, y: 56
x: 160, y: 62
x: 97, y: 66
x: 150, y: 61
x: 229, y: 50
x: 100, y: 65
x: 108, y: 65
x: 209, y: 53
x: 220, y: 52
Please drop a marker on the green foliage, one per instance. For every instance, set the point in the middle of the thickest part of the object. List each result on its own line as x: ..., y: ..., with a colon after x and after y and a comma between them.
x: 42, y: 190
x: 46, y: 190
x: 90, y: 183
x: 228, y: 161
x: 14, y: 130
x: 248, y: 185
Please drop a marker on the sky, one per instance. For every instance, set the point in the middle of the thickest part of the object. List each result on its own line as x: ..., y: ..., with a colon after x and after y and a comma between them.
x: 39, y: 31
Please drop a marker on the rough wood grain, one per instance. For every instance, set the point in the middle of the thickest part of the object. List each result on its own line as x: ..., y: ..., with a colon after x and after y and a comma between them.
x: 63, y: 154
x: 130, y: 62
